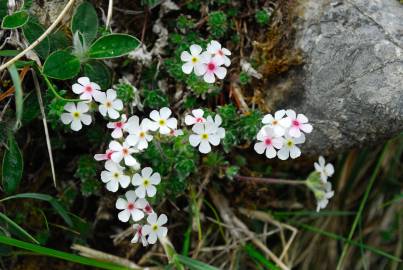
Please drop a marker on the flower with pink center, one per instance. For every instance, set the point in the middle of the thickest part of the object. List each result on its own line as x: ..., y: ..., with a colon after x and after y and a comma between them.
x: 298, y: 123
x: 87, y: 89
x: 131, y: 207
x: 148, y: 209
x: 217, y: 52
x: 213, y: 68
x: 123, y: 151
x: 118, y: 127
x: 139, y: 235
x: 279, y: 123
x: 196, y: 117
x: 106, y: 156
x: 268, y: 142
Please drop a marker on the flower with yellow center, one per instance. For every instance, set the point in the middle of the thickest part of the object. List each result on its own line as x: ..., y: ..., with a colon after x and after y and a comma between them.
x: 193, y: 60
x: 155, y: 229
x: 110, y: 105
x: 138, y: 133
x: 146, y: 182
x: 205, y: 134
x: 75, y: 115
x: 114, y: 176
x: 290, y: 148
x: 161, y: 121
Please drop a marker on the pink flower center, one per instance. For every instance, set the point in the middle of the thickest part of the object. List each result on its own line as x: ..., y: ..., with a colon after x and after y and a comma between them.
x: 148, y: 209
x: 295, y: 123
x: 130, y: 206
x: 199, y: 120
x: 118, y: 124
x: 109, y: 155
x: 88, y: 88
x: 125, y: 151
x: 211, y: 66
x: 220, y: 52
x: 267, y: 141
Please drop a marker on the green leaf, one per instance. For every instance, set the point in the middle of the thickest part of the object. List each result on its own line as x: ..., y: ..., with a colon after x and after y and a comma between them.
x: 59, y: 254
x: 113, y: 45
x: 193, y: 264
x: 47, y: 198
x: 3, y: 8
x: 18, y: 94
x: 31, y: 108
x: 9, y: 53
x: 98, y: 72
x: 12, y: 166
x: 255, y: 254
x: 58, y: 41
x: 15, y: 20
x: 17, y: 228
x: 85, y: 21
x: 61, y: 65
x: 32, y: 31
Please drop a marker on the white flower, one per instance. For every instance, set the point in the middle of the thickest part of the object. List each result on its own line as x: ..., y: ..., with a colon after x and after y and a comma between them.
x: 118, y: 127
x: 193, y: 60
x: 139, y: 235
x: 217, y: 123
x: 110, y: 105
x: 290, y: 148
x: 87, y: 89
x: 212, y: 68
x: 146, y: 182
x: 114, y: 176
x: 214, y: 48
x: 131, y: 207
x: 138, y: 133
x: 298, y: 122
x: 162, y: 121
x: 268, y: 142
x: 76, y: 115
x: 279, y: 123
x: 325, y: 170
x: 205, y: 134
x: 197, y: 117
x: 123, y: 151
x: 323, y: 197
x: 154, y: 228
x: 106, y: 156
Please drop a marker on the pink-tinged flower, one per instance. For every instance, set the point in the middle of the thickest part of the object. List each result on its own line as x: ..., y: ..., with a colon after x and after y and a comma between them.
x: 106, y: 156
x: 148, y: 209
x: 87, y: 89
x: 290, y: 148
x: 197, y: 117
x: 268, y: 142
x: 139, y: 235
x: 193, y: 60
x: 131, y: 207
x: 118, y: 127
x: 298, y: 122
x: 155, y: 229
x: 279, y: 123
x: 213, y: 68
x: 176, y: 132
x: 217, y: 52
x: 123, y: 151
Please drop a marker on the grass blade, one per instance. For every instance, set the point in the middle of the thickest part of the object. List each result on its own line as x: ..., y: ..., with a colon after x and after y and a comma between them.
x: 18, y: 94
x: 17, y: 227
x: 255, y: 254
x: 59, y: 254
x: 193, y: 264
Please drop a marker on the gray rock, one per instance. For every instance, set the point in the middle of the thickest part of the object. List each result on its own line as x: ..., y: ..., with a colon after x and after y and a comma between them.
x: 352, y: 79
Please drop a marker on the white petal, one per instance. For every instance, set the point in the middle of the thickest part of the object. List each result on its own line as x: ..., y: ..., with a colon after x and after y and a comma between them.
x: 82, y: 107
x: 190, y: 120
x: 152, y: 238
x: 162, y: 219
x: 172, y: 123
x: 131, y: 196
x: 155, y: 115
x: 185, y: 56
x: 291, y: 114
x: 300, y: 139
x: 151, y: 191
x: 137, y: 215
x: 98, y: 95
x: 283, y: 153
x: 279, y: 114
x: 112, y: 185
x: 117, y: 104
x: 77, y: 88
x: 187, y: 68
x: 111, y: 94
x: 307, y: 128
x: 117, y: 157
x: 76, y: 125
x: 86, y: 119
x: 260, y: 147
x: 146, y: 172
x: 141, y: 192
x: 194, y: 140
x: 329, y: 169
x: 102, y: 110
x: 117, y: 133
x: 130, y: 161
x: 165, y: 112
x: 294, y: 132
x: 121, y: 204
x: 214, y: 139
x: 204, y: 147
x: 209, y: 77
x: 105, y: 176
x: 83, y: 80
x: 165, y: 130
x: 200, y: 69
x: 124, y: 216
x: 195, y: 49
x: 137, y: 180
x: 152, y: 218
x: 113, y: 114
x: 270, y: 152
x: 221, y: 72
x: 302, y: 118
x: 155, y: 178
x: 267, y: 119
x: 295, y: 152
x: 124, y: 181
x: 115, y: 146
x: 198, y: 128
x: 285, y: 122
x: 277, y: 142
x: 66, y: 118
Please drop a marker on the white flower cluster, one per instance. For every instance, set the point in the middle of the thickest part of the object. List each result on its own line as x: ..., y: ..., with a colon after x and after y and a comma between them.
x: 206, y: 130
x: 281, y: 134
x: 209, y: 63
x: 322, y: 188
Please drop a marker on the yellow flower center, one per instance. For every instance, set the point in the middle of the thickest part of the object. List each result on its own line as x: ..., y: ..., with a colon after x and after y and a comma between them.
x: 76, y: 114
x: 155, y: 227
x: 142, y: 134
x: 162, y: 122
x: 290, y: 143
x: 108, y: 104
x: 116, y: 175
x: 204, y: 136
x: 194, y: 60
x: 146, y: 182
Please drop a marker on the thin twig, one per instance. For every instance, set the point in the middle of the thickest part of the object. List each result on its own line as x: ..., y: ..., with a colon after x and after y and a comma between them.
x: 269, y: 180
x: 109, y: 15
x: 42, y: 37
x: 45, y: 126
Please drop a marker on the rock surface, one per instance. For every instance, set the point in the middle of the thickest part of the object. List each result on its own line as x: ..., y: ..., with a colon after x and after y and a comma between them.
x: 352, y: 79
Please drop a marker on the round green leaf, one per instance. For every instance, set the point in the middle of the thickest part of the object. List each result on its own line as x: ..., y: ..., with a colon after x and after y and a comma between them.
x: 85, y: 21
x: 12, y: 166
x: 98, y: 72
x: 113, y: 45
x: 15, y: 20
x: 32, y: 31
x: 61, y: 65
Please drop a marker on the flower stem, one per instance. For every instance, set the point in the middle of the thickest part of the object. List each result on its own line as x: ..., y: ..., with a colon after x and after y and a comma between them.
x: 269, y: 180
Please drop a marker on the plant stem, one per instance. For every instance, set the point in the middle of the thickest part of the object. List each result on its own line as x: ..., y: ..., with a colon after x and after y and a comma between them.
x: 361, y: 209
x: 270, y: 180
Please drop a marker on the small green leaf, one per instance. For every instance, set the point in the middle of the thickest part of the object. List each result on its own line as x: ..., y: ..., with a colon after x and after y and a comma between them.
x: 20, y: 231
x: 9, y: 53
x: 15, y: 20
x: 98, y: 72
x: 32, y: 31
x: 3, y: 8
x: 85, y: 21
x: 18, y: 94
x: 113, y: 45
x: 12, y: 166
x: 61, y: 65
x: 193, y: 264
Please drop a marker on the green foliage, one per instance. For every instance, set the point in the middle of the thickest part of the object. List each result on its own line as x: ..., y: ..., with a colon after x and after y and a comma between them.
x: 113, y: 45
x: 31, y: 109
x: 32, y: 31
x: 244, y: 78
x: 98, y: 72
x: 155, y: 99
x: 54, y: 69
x: 15, y: 20
x: 125, y: 92
x: 17, y: 228
x: 193, y: 264
x: 55, y: 109
x: 262, y: 17
x: 87, y: 173
x: 12, y: 166
x: 85, y: 21
x: 185, y: 22
x: 18, y: 94
x: 217, y: 22
x: 3, y: 8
